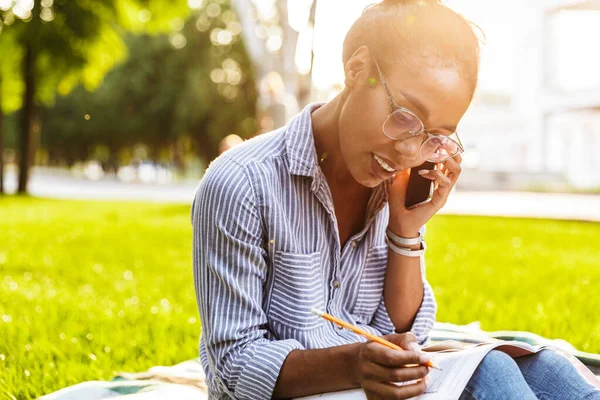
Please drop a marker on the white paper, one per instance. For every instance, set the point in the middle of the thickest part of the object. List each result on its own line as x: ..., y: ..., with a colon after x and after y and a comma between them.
x: 457, y: 367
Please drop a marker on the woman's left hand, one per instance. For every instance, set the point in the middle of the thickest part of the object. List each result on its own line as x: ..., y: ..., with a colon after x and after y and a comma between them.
x: 406, y: 222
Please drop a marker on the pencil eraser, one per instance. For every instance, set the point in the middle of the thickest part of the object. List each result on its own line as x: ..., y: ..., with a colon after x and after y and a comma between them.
x: 316, y: 311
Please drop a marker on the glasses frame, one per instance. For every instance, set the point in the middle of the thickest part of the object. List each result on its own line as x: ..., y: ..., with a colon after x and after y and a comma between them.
x: 394, y: 107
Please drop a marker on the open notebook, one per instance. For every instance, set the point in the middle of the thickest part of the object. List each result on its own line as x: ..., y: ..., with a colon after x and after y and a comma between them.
x: 457, y: 367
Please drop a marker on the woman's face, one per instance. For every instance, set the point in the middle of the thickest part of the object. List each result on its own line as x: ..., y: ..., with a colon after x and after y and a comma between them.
x: 438, y: 96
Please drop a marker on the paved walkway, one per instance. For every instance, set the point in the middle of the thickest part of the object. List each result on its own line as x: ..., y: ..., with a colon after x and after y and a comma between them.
x: 524, y: 204
x: 514, y: 204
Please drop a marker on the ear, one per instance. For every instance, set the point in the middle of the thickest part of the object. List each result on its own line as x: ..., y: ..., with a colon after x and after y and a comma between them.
x: 358, y: 67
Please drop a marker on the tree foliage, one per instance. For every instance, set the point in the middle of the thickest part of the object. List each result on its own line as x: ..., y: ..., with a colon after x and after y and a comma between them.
x: 171, y: 88
x: 186, y: 75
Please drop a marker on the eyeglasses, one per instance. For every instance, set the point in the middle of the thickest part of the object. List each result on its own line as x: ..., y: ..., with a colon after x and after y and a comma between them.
x: 402, y: 124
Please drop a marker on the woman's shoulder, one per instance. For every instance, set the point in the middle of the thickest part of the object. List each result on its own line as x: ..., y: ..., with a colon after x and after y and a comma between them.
x: 234, y: 170
x: 259, y: 149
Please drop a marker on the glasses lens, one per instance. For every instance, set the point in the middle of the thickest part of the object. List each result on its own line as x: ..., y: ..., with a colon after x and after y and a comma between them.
x: 438, y: 148
x: 402, y: 125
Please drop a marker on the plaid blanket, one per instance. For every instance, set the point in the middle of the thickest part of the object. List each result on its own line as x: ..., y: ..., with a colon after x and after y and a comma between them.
x: 186, y: 380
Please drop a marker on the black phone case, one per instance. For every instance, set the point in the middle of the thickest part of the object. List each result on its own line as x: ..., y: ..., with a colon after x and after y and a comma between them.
x: 419, y: 188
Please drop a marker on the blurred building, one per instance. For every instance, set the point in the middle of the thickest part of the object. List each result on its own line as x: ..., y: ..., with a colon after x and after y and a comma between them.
x: 547, y: 132
x: 569, y: 96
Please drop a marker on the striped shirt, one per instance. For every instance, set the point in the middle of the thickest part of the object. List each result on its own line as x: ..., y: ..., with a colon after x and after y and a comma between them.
x: 266, y: 250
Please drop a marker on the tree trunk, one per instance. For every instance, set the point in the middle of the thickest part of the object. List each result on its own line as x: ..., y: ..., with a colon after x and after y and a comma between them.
x: 287, y: 68
x: 27, y: 117
x: 305, y: 81
x: 283, y: 62
x: 1, y: 142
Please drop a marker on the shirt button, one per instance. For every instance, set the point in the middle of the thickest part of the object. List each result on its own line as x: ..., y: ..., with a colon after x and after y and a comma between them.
x: 354, y: 244
x: 336, y: 284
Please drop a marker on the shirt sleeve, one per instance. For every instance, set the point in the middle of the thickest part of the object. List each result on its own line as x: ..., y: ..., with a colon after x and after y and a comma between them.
x: 425, y: 318
x: 229, y: 273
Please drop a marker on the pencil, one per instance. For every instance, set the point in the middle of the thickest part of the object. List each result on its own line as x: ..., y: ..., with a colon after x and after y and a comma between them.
x: 366, y: 334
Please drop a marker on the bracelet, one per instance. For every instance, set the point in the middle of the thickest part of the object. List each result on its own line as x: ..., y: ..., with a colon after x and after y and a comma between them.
x: 403, y: 251
x: 404, y: 241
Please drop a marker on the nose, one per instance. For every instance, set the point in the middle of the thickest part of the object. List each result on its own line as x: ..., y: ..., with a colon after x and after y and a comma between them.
x: 408, y: 150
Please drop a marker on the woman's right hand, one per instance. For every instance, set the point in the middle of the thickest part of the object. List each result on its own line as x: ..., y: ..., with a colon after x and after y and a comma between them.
x: 379, y: 365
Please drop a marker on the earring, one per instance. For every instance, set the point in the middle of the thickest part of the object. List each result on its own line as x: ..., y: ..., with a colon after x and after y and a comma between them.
x: 372, y: 82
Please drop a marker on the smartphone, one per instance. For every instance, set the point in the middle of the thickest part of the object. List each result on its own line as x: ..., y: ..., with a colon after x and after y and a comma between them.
x: 419, y: 190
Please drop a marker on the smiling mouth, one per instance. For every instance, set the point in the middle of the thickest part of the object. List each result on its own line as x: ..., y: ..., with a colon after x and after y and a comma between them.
x: 383, y: 164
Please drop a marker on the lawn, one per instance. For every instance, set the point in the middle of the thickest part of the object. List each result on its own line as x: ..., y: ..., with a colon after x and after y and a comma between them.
x: 88, y: 289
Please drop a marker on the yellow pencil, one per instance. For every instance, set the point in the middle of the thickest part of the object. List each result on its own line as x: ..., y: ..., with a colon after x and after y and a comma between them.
x: 366, y: 334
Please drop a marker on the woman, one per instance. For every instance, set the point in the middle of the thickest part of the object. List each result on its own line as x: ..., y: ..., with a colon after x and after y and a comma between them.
x: 302, y: 217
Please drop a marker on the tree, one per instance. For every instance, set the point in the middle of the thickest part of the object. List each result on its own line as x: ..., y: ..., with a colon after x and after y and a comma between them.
x: 9, y: 87
x: 195, y: 83
x: 58, y: 44
x: 1, y: 141
x: 273, y: 49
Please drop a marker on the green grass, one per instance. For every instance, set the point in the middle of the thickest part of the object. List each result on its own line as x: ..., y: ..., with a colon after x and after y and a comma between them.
x: 518, y: 274
x: 88, y: 289
x: 92, y: 289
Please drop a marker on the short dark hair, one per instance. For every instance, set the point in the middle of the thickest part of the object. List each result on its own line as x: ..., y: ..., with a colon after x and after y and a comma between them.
x: 407, y: 31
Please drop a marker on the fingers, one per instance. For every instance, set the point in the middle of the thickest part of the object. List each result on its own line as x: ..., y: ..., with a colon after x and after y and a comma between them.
x: 445, y: 177
x: 403, y: 340
x: 380, y: 366
x: 381, y: 373
x: 452, y: 168
x: 437, y: 176
x: 385, y: 356
x: 380, y: 390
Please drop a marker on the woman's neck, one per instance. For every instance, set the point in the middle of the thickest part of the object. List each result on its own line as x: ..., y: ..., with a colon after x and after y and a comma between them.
x: 327, y: 143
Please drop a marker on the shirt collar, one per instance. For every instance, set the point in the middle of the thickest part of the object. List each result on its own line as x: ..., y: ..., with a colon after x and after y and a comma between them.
x: 379, y: 199
x: 300, y: 143
x: 303, y: 158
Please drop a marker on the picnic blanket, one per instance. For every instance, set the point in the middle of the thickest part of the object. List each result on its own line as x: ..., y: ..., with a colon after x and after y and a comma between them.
x: 186, y: 380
